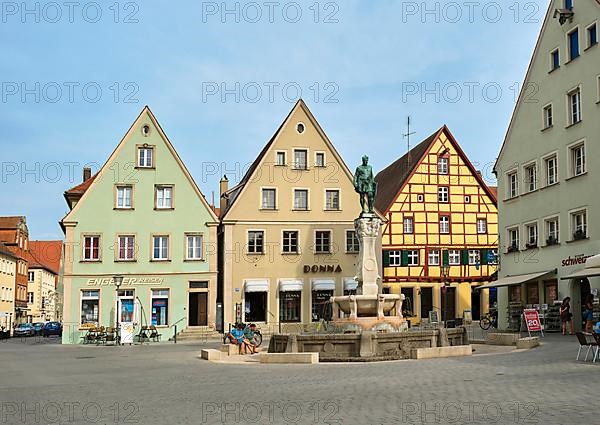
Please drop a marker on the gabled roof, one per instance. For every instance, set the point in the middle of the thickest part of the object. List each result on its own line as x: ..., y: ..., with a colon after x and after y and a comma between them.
x: 82, y: 187
x: 7, y: 252
x: 391, y: 180
x: 10, y: 223
x: 45, y: 254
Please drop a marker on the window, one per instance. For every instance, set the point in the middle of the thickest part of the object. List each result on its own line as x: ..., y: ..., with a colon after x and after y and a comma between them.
x: 301, y: 199
x: 574, y: 106
x: 513, y: 240
x: 124, y: 197
x: 126, y: 248
x: 193, y: 247
x: 579, y: 223
x: 592, y: 35
x: 413, y: 257
x: 300, y: 159
x: 443, y: 194
x: 573, y: 37
x: 320, y: 159
x: 31, y: 276
x: 551, y: 170
x: 532, y: 235
x: 255, y: 308
x: 280, y: 158
x: 569, y: 4
x: 552, y: 235
x: 554, y: 60
x: 408, y: 225
x: 513, y: 185
x: 269, y: 197
x: 320, y: 299
x: 420, y: 198
x: 300, y: 128
x: 548, y: 118
x: 395, y: 258
x: 30, y: 297
x: 290, y: 242
x: 160, y: 307
x: 467, y: 199
x: 289, y: 306
x: 332, y: 200
x: 481, y: 226
x: 352, y: 243
x: 164, y: 197
x: 145, y: 157
x: 474, y: 257
x: 443, y: 165
x: 578, y: 159
x: 322, y: 241
x: 160, y: 248
x: 126, y: 305
x: 531, y: 177
x: 454, y: 257
x: 444, y: 224
x: 89, y: 308
x: 256, y: 241
x: 91, y: 248
x: 434, y: 257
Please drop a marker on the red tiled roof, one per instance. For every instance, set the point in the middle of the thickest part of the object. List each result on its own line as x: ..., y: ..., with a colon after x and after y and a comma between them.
x: 10, y: 222
x: 494, y: 190
x: 4, y: 250
x: 82, y: 187
x: 46, y: 254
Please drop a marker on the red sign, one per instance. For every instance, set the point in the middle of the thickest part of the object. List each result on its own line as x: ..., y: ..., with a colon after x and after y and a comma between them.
x: 532, y: 319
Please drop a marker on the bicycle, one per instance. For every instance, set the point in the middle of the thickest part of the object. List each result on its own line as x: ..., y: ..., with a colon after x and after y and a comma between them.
x: 488, y: 321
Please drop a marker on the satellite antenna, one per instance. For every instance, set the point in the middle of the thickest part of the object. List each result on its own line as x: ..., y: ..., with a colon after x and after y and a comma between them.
x: 407, y: 136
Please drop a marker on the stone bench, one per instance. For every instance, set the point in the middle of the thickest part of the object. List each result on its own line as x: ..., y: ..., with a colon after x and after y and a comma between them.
x: 230, y: 349
x: 527, y: 343
x: 289, y: 358
x: 496, y: 338
x: 439, y: 352
x: 210, y: 354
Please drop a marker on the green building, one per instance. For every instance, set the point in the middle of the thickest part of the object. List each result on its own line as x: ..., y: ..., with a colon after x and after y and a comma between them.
x: 142, y: 217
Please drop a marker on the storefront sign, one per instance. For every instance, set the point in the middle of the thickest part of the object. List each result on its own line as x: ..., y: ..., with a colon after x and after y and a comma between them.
x: 574, y: 261
x: 323, y: 269
x: 127, y: 281
x: 532, y: 320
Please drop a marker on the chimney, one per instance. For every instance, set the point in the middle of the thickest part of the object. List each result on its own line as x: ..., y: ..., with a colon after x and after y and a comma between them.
x: 223, y: 187
x: 87, y: 173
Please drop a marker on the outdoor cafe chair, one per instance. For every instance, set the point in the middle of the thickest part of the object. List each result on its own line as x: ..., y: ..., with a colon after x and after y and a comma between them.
x: 583, y: 342
x: 596, y: 344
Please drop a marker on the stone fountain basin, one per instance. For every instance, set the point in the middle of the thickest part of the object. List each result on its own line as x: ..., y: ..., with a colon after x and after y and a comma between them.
x: 366, y: 304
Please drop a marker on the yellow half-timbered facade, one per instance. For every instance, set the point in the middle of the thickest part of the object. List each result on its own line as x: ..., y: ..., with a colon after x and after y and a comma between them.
x: 440, y: 239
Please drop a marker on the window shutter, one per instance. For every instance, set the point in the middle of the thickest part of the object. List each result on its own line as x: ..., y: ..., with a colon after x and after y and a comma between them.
x: 386, y: 258
x: 404, y: 258
x: 465, y: 257
x: 483, y: 257
x: 445, y: 258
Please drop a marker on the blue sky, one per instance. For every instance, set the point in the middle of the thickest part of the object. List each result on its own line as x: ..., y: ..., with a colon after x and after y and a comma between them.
x: 362, y: 67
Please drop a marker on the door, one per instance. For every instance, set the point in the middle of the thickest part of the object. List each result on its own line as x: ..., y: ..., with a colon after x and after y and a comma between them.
x: 475, y: 303
x: 448, y: 303
x: 426, y: 302
x: 198, y: 309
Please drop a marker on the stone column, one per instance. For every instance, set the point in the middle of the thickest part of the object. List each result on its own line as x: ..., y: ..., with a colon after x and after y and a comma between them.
x: 367, y: 230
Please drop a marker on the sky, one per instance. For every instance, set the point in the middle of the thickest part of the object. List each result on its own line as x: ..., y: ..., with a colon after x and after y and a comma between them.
x: 221, y: 77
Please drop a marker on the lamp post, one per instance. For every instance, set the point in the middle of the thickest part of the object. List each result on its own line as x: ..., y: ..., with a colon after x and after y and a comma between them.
x: 118, y: 279
x: 445, y: 274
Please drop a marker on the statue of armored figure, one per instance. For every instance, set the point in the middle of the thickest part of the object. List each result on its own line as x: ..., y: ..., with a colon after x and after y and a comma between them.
x: 366, y: 186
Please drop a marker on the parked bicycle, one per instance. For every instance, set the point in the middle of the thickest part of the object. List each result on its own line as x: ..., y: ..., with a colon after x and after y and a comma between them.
x: 490, y: 320
x: 256, y: 335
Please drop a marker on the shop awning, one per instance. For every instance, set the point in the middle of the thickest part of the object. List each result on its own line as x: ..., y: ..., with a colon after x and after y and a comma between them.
x: 256, y: 286
x: 323, y: 285
x: 290, y: 285
x: 350, y: 284
x: 592, y: 268
x: 517, y: 279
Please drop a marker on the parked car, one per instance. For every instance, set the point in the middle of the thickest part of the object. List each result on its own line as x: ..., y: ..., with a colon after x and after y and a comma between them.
x: 37, y: 327
x: 24, y: 329
x: 52, y: 328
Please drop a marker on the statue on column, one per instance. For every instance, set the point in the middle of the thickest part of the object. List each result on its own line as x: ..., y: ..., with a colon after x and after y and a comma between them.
x: 365, y: 185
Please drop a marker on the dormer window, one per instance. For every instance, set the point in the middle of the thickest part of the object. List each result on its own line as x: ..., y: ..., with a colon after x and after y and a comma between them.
x: 145, y: 157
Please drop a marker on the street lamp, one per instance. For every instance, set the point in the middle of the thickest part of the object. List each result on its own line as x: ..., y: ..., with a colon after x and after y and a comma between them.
x: 446, y: 275
x: 118, y: 279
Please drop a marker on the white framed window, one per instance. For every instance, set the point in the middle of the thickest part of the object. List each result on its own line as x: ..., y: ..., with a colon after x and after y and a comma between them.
x: 193, y: 247
x: 323, y: 241
x: 513, y: 239
x: 467, y: 199
x: 395, y: 258
x: 434, y: 257
x: 513, y: 184
x: 532, y: 235
x: 578, y: 160
x: 160, y: 247
x: 256, y: 242
x: 554, y: 60
x: 548, y: 116
x: 30, y: 297
x: 269, y: 199
x: 145, y: 157
x: 574, y: 106
x: 332, y: 199
x: 89, y: 311
x: 124, y: 197
x: 352, y: 243
x: 320, y: 159
x: 481, y: 226
x: 551, y: 164
x: 301, y: 159
x: 301, y: 199
x: 531, y: 177
x: 30, y: 276
x: 164, y: 197
x: 454, y: 257
x: 413, y: 257
x: 552, y: 231
x: 474, y: 257
x: 579, y: 224
x: 91, y: 248
x: 290, y: 242
x: 443, y: 165
x: 160, y: 307
x: 126, y: 248
x: 443, y: 194
x: 444, y: 224
x: 409, y: 227
x: 280, y: 158
x: 592, y: 35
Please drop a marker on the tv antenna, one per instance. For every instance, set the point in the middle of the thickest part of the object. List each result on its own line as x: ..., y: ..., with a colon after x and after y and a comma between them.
x: 407, y: 136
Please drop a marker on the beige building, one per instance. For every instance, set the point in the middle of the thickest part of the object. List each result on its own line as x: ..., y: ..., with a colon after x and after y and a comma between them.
x: 43, y: 297
x: 8, y: 266
x: 287, y: 233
